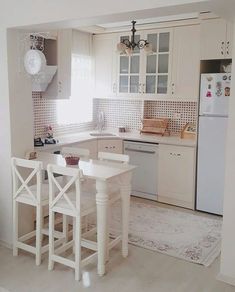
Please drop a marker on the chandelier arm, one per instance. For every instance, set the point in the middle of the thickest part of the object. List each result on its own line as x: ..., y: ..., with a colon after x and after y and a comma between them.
x: 142, y: 43
x: 127, y: 43
x: 131, y: 44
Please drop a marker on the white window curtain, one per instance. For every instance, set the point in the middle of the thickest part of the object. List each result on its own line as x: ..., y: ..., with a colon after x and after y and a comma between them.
x: 78, y: 109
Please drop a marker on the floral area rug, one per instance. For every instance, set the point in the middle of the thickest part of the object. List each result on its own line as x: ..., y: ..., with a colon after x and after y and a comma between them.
x: 180, y: 234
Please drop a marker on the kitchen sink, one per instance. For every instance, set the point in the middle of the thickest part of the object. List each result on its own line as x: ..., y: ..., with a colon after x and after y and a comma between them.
x: 101, y: 134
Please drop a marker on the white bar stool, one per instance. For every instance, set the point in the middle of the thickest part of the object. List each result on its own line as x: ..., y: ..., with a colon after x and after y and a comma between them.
x: 36, y: 195
x: 69, y: 201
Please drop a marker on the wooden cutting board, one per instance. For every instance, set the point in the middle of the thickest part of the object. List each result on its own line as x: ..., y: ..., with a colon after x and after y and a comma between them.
x: 155, y: 126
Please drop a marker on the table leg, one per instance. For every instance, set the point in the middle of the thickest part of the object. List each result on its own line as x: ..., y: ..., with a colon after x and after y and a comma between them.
x: 125, y: 196
x: 102, y: 211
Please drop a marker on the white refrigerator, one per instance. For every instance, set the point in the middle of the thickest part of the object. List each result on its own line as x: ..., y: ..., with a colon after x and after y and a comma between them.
x: 213, y: 114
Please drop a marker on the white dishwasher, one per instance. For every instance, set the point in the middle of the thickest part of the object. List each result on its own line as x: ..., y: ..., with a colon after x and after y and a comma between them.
x: 145, y: 156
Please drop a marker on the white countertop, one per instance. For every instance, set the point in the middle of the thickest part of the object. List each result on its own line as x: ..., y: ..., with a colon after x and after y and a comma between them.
x: 135, y: 136
x: 94, y: 169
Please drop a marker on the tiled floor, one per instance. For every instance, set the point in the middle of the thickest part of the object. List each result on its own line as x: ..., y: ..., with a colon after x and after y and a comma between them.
x: 143, y: 270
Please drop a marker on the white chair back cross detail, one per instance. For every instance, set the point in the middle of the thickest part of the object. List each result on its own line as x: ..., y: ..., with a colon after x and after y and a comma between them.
x: 20, y: 184
x: 26, y: 191
x: 75, y: 177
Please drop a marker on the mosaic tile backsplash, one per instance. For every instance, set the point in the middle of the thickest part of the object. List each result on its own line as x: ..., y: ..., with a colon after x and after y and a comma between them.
x: 128, y: 113
x: 179, y: 113
x: 118, y: 113
x: 45, y: 114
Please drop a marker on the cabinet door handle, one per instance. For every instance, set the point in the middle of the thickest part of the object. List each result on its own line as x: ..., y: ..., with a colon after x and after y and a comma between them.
x: 114, y: 87
x: 228, y: 47
x: 143, y: 88
x: 60, y: 86
x: 139, y: 89
x: 173, y: 88
x: 140, y: 151
x: 222, y: 48
x: 175, y: 154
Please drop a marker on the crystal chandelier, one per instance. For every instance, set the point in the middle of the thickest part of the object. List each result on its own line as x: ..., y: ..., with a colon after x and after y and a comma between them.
x: 127, y: 47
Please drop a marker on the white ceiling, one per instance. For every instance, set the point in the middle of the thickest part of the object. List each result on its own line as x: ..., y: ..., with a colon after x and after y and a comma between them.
x: 143, y: 11
x: 151, y: 20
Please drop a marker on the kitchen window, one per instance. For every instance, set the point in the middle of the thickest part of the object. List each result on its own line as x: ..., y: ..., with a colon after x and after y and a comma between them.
x: 78, y: 109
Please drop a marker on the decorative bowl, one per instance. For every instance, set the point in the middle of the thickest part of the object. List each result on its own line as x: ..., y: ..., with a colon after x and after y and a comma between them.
x: 72, y: 160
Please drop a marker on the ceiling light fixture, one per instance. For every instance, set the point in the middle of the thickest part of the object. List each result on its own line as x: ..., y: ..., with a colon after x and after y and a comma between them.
x: 127, y: 46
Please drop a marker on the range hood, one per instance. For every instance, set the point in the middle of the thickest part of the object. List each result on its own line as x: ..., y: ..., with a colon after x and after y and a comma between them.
x: 41, y: 80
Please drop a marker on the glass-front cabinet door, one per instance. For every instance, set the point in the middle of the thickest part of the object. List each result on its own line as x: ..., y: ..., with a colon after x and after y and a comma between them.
x: 128, y: 82
x: 157, y: 64
x: 146, y: 74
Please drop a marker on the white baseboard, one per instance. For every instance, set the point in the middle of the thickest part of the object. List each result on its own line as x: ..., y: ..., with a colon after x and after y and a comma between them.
x: 5, y: 244
x: 226, y: 279
x: 144, y: 195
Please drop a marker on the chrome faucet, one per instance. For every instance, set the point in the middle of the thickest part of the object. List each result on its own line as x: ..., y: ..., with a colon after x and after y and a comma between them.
x: 100, y: 121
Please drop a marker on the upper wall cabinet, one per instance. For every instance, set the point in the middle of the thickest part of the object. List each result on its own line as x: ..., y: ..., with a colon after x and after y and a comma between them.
x: 142, y: 75
x: 129, y: 69
x: 104, y: 47
x: 216, y: 39
x: 157, y: 66
x: 186, y: 63
x: 169, y: 72
x: 60, y: 87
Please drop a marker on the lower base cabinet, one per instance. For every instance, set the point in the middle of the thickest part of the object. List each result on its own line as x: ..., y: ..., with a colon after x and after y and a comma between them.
x: 110, y: 145
x: 176, y: 178
x: 101, y: 145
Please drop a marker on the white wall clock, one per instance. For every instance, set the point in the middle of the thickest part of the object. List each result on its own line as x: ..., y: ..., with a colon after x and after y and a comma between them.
x: 34, y: 61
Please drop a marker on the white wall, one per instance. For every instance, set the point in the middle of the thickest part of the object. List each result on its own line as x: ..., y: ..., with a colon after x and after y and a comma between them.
x: 227, y: 270
x: 5, y: 147
x: 20, y: 97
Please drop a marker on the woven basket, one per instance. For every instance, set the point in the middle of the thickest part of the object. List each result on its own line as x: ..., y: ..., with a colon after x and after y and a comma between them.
x: 71, y: 160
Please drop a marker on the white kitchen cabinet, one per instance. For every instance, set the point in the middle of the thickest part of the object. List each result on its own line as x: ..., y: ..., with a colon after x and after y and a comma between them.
x: 156, y: 78
x: 129, y: 69
x: 110, y: 145
x: 142, y: 75
x: 186, y: 63
x: 229, y: 40
x: 60, y: 87
x: 104, y: 47
x: 170, y: 72
x: 216, y: 39
x: 90, y: 145
x: 176, y: 177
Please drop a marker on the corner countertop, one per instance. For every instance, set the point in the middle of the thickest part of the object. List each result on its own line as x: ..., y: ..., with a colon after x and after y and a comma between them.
x: 134, y: 136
